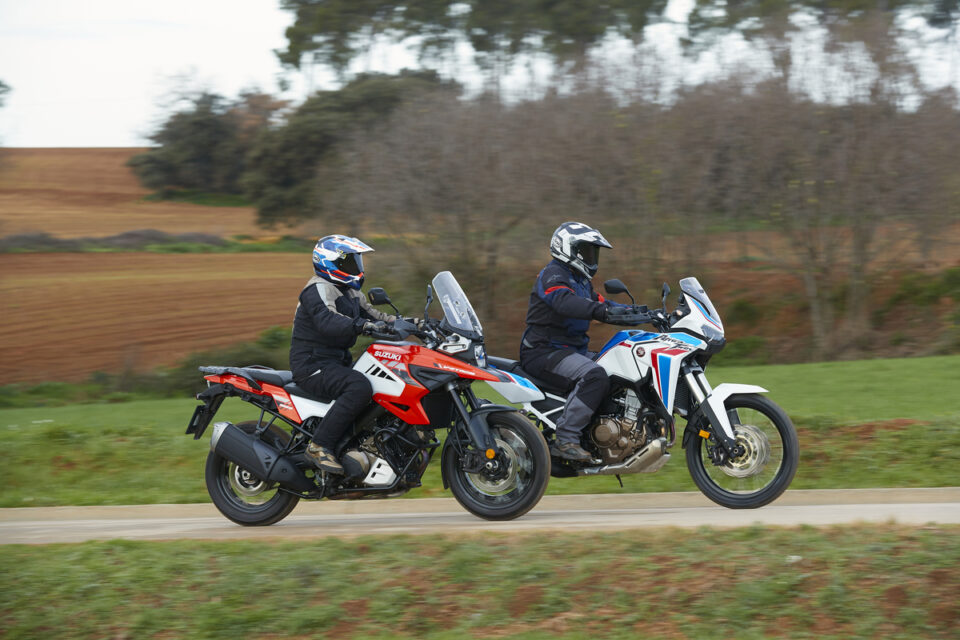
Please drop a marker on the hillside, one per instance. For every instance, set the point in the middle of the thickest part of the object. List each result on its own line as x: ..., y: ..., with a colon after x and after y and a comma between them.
x: 72, y: 193
x: 69, y: 315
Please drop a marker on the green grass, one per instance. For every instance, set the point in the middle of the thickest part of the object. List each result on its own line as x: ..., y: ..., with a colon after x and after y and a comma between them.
x: 237, y: 244
x: 838, y: 582
x: 136, y: 452
x: 203, y: 198
x: 861, y: 390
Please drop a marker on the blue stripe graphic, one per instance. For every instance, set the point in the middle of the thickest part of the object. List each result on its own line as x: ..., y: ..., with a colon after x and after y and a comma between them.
x: 705, y: 312
x: 664, y: 362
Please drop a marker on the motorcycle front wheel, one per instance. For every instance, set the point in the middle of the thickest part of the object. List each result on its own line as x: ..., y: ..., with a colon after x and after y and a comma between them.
x: 768, y: 465
x: 514, y: 490
x: 240, y: 495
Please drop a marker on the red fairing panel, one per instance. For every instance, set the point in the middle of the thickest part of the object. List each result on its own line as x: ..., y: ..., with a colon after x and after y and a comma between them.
x: 279, y: 394
x: 398, y: 359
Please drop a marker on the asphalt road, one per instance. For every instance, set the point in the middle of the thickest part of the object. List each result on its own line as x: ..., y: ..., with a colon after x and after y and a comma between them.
x: 444, y: 515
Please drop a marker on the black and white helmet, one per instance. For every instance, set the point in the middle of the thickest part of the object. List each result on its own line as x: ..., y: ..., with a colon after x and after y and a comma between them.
x: 578, y: 245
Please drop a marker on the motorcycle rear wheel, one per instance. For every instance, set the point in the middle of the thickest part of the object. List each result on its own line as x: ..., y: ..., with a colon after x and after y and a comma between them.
x: 766, y: 469
x: 241, y: 496
x: 528, y: 473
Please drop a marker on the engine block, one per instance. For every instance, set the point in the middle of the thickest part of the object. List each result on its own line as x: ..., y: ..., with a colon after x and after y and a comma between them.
x: 616, y: 438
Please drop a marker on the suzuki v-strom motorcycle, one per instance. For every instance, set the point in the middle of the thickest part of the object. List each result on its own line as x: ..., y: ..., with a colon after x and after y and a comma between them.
x: 741, y: 448
x: 493, y: 459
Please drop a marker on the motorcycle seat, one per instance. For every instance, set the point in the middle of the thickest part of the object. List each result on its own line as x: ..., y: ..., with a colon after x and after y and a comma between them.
x: 294, y: 390
x: 277, y: 377
x: 513, y: 366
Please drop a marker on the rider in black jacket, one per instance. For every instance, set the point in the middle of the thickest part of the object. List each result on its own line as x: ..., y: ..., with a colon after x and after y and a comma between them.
x: 554, y: 345
x: 331, y: 314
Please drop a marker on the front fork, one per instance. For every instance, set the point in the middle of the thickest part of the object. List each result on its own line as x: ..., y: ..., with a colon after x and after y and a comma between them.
x: 711, y: 404
x: 484, y: 456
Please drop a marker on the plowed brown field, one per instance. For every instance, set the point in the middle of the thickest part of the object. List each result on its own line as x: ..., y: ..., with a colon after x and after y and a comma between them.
x: 67, y: 315
x: 71, y: 193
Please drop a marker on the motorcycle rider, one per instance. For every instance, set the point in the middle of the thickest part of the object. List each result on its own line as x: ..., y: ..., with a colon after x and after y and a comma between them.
x: 554, y: 344
x: 330, y: 315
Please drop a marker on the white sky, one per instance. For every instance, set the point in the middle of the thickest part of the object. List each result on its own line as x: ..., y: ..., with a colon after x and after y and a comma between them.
x: 94, y: 73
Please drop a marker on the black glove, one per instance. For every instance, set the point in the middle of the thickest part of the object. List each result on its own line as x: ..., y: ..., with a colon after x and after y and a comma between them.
x: 417, y: 322
x: 369, y: 328
x: 613, y: 315
x: 625, y: 316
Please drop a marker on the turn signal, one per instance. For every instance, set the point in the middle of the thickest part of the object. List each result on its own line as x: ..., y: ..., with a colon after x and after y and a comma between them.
x: 491, y: 454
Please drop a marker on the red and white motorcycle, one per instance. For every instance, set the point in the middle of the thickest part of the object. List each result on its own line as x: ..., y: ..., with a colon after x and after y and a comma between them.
x: 741, y: 447
x: 493, y: 459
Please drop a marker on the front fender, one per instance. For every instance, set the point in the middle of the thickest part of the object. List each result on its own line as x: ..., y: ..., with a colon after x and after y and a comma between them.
x: 479, y: 431
x: 714, y: 410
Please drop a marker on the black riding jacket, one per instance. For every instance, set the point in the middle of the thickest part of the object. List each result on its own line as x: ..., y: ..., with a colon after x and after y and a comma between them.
x: 562, y: 305
x: 328, y: 320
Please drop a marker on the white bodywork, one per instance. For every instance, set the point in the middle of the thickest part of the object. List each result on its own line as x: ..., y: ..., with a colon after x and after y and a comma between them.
x: 719, y: 396
x: 309, y: 408
x: 636, y: 355
x: 515, y: 389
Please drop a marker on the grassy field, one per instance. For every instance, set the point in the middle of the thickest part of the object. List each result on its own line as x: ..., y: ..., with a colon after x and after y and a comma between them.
x: 878, y: 423
x: 839, y: 582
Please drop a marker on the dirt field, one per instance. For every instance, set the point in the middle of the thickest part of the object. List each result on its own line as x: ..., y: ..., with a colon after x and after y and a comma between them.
x: 71, y: 193
x: 67, y: 315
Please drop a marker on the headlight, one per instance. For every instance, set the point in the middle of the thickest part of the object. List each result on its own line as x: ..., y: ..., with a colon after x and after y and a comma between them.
x: 481, y: 355
x: 711, y: 333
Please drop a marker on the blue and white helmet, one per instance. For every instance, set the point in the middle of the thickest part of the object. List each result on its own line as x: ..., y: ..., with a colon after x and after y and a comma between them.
x: 578, y: 245
x: 337, y: 259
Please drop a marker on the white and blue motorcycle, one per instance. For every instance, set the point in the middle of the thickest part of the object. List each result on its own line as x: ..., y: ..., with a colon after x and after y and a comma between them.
x: 741, y: 448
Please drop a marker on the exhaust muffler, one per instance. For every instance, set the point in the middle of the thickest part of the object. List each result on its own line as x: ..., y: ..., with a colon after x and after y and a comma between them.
x: 649, y: 459
x: 257, y: 457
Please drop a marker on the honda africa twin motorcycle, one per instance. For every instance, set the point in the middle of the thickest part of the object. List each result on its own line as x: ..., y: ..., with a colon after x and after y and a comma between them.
x: 741, y: 448
x: 494, y: 460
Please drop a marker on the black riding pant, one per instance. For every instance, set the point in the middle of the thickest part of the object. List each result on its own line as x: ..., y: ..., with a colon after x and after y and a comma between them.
x: 350, y: 390
x: 569, y: 369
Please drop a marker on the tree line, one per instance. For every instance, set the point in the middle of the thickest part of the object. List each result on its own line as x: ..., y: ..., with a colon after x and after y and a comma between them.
x: 834, y: 191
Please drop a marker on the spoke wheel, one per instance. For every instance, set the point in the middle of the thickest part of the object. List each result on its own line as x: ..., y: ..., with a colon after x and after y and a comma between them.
x: 517, y: 479
x: 240, y: 495
x: 765, y: 469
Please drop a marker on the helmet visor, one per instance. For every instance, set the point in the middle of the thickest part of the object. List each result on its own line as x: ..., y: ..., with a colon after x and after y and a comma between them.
x: 589, y: 254
x: 352, y: 263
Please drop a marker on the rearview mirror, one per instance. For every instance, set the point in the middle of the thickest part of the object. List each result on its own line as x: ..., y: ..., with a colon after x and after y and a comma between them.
x: 378, y: 296
x: 666, y: 292
x: 615, y: 286
x: 426, y: 309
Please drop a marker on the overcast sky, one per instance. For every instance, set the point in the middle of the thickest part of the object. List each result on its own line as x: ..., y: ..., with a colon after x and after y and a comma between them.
x: 92, y: 73
x: 95, y: 73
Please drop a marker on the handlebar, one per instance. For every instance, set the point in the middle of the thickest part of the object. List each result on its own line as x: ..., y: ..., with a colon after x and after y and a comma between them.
x: 386, y: 335
x: 402, y: 328
x: 637, y: 315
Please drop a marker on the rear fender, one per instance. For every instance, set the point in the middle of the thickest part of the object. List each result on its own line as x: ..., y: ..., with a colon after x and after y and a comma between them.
x: 212, y: 398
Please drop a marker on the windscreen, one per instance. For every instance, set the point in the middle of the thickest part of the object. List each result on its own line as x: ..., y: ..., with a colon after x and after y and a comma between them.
x: 698, y: 298
x: 456, y: 306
